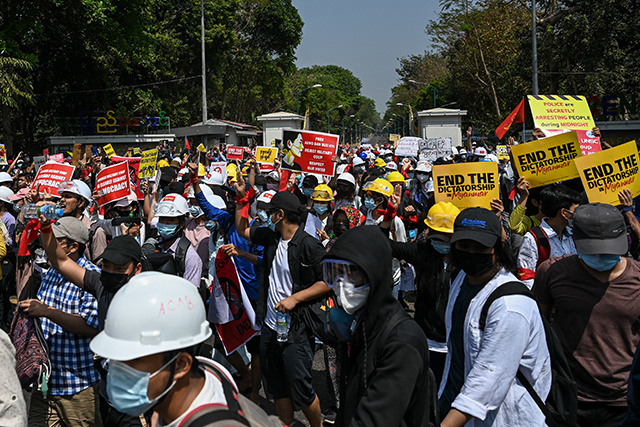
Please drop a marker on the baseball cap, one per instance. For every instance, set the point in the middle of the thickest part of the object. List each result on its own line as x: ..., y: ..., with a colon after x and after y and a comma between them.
x: 121, y: 250
x: 19, y: 195
x: 477, y: 224
x: 284, y: 200
x: 72, y: 229
x: 599, y: 228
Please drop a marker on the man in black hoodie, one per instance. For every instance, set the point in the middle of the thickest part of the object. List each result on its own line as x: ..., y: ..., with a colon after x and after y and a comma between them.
x: 387, y: 371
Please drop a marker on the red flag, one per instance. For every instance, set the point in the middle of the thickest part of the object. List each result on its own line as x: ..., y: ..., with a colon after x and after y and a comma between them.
x: 186, y: 143
x: 516, y: 116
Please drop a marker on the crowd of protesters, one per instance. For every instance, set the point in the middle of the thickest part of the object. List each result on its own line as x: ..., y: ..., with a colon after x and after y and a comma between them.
x: 400, y: 293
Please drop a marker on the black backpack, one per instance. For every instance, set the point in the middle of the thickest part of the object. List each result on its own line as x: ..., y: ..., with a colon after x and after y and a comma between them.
x: 168, y: 263
x: 560, y: 409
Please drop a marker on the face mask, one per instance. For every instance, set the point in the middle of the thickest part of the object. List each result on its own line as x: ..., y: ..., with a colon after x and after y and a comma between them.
x: 441, y: 247
x: 212, y: 226
x: 472, y: 263
x: 570, y: 221
x: 411, y: 175
x: 339, y: 229
x: 369, y: 204
x: 273, y: 187
x: 195, y: 211
x: 350, y: 298
x: 307, y: 191
x: 272, y: 225
x: 167, y: 230
x: 321, y: 209
x: 262, y: 215
x: 341, y: 324
x: 17, y: 208
x: 422, y: 178
x: 127, y: 388
x: 113, y: 281
x: 600, y: 262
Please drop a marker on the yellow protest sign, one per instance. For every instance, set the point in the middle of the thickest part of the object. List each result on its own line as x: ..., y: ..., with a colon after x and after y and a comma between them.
x: 266, y: 155
x: 202, y: 148
x: 606, y: 173
x: 547, y: 160
x: 148, y: 164
x: 109, y: 151
x: 503, y: 152
x: 561, y: 112
x: 466, y: 185
x: 137, y: 150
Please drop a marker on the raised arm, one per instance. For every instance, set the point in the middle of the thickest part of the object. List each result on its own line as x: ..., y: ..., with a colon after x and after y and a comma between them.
x: 58, y: 257
x: 242, y: 223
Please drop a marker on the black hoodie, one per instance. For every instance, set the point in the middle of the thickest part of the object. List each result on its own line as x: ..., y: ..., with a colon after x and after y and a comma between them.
x: 387, y: 372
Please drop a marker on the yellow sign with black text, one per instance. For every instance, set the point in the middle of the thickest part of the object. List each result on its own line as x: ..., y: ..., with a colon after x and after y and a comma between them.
x: 503, y: 152
x: 561, y: 112
x: 148, y: 164
x: 266, y: 155
x: 109, y: 151
x: 606, y: 173
x: 547, y: 160
x: 466, y: 185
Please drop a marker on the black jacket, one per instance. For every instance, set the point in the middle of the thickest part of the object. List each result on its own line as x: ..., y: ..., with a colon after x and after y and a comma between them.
x: 387, y: 372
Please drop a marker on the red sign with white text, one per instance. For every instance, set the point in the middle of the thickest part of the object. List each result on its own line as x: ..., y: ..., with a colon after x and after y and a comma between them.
x: 57, y: 157
x: 50, y: 175
x: 113, y: 183
x: 235, y: 153
x: 310, y: 152
x: 589, y: 143
x: 134, y: 167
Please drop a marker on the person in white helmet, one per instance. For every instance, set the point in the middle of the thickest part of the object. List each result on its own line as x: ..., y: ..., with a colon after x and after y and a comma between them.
x: 346, y: 191
x: 75, y: 197
x: 5, y: 179
x: 7, y: 218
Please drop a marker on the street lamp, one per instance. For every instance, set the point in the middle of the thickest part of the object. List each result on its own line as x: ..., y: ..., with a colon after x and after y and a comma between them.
x: 435, y: 90
x: 299, y: 92
x: 410, y: 118
x: 344, y: 133
x: 329, y: 117
x: 403, y: 122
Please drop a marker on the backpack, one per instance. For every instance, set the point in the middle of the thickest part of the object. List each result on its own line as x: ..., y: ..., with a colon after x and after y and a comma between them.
x: 560, y: 409
x: 168, y: 263
x: 239, y: 411
x: 542, y: 242
x: 32, y: 353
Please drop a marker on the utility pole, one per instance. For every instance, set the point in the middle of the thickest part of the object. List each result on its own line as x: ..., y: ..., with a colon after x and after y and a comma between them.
x: 534, y: 48
x: 204, y: 72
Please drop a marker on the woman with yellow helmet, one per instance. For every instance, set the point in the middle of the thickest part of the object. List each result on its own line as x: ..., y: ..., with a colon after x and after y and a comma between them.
x: 322, y: 197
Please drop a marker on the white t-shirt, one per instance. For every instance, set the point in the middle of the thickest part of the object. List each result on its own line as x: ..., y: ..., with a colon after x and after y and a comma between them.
x: 212, y: 392
x: 280, y: 282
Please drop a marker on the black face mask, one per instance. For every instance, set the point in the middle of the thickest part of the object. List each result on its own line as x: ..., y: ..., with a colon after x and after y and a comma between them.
x: 338, y: 229
x: 473, y: 264
x: 111, y: 282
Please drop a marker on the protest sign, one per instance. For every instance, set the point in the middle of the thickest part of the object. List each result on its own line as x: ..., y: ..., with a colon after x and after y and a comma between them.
x: 148, y: 164
x: 310, y: 152
x: 112, y: 183
x: 3, y: 155
x: 45, y: 152
x: 393, y: 137
x: 466, y: 185
x: 77, y: 154
x: 606, y: 173
x: 38, y: 161
x: 547, y: 160
x: 109, y: 151
x: 88, y: 151
x: 266, y: 155
x: 241, y: 327
x: 408, y: 146
x: 50, y: 176
x: 201, y: 148
x: 57, y: 157
x: 137, y: 150
x: 217, y: 172
x: 235, y: 153
x: 433, y: 148
x: 556, y: 114
x: 134, y: 168
x: 503, y: 152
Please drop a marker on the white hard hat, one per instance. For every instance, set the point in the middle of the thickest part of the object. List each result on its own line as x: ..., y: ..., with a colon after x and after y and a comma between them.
x: 265, y: 198
x: 392, y: 166
x: 215, y: 176
x: 172, y: 205
x: 423, y: 166
x: 213, y: 199
x: 357, y: 161
x: 153, y: 313
x: 480, y: 151
x: 5, y: 192
x: 491, y: 158
x: 348, y: 178
x: 75, y: 187
x: 5, y: 177
x: 126, y: 201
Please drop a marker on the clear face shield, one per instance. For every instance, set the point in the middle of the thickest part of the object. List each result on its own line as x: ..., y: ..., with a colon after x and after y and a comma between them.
x: 348, y: 281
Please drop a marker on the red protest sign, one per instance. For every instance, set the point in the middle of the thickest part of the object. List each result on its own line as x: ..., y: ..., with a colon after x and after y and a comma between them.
x: 311, y: 152
x: 239, y: 330
x: 57, y: 157
x: 50, y: 175
x: 234, y: 153
x: 589, y: 143
x: 134, y: 167
x: 113, y: 183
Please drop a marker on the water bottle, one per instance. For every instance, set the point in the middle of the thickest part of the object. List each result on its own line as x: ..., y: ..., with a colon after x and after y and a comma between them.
x: 50, y: 212
x: 282, y: 327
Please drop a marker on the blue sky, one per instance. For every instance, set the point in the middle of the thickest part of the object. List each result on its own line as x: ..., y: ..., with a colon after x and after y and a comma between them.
x: 364, y: 36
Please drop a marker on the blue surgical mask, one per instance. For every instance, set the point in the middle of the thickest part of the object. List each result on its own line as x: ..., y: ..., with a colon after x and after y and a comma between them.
x: 167, y: 230
x: 321, y: 209
x: 411, y: 175
x: 369, y: 204
x: 127, y: 388
x: 272, y: 225
x: 441, y: 247
x: 195, y: 211
x: 307, y: 191
x: 211, y: 225
x: 600, y: 262
x: 262, y: 215
x: 341, y: 324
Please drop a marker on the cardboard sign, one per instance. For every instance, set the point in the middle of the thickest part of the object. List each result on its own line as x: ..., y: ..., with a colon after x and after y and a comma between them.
x: 50, y: 176
x: 134, y: 167
x: 408, y: 146
x: 38, y: 161
x: 310, y: 152
x: 235, y: 153
x: 503, y: 152
x: 266, y: 155
x: 393, y: 137
x: 112, y: 183
x: 148, y: 164
x: 242, y: 326
x: 547, y: 160
x: 77, y: 154
x: 433, y: 148
x: 606, y: 173
x: 467, y: 185
x: 108, y: 150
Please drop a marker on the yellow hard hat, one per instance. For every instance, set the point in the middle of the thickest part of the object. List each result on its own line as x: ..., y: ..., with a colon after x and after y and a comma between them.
x: 380, y: 186
x: 441, y: 217
x: 232, y: 168
x: 395, y: 176
x: 380, y: 163
x: 322, y: 193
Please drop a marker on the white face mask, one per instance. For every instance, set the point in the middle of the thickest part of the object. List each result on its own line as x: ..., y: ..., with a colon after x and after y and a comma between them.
x: 351, y: 299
